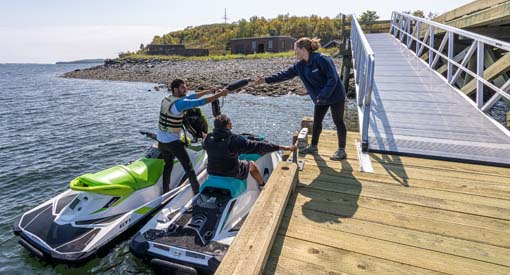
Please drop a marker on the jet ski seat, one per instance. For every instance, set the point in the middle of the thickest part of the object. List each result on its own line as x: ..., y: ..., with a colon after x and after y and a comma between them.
x: 121, y: 180
x: 233, y: 185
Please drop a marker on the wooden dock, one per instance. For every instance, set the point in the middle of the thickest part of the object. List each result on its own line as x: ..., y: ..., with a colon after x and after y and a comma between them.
x: 412, y: 216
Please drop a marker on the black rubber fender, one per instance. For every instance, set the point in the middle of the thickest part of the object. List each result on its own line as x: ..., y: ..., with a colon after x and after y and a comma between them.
x: 166, y: 267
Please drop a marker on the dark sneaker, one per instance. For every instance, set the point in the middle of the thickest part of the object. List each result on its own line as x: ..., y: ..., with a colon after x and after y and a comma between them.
x: 340, y: 154
x: 310, y: 149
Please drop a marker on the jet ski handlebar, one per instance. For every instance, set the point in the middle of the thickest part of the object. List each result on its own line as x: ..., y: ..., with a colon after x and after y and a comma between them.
x: 238, y: 84
x: 215, y: 105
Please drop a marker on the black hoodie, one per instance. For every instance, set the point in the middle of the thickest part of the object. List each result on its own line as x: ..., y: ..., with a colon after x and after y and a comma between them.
x: 223, y: 149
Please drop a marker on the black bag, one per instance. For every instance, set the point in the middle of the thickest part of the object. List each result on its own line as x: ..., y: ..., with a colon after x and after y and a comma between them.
x: 195, y: 123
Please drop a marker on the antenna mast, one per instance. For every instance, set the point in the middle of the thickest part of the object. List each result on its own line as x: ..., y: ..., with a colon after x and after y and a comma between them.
x: 225, y: 16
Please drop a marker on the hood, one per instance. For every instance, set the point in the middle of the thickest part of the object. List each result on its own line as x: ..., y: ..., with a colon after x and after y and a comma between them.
x: 221, y: 133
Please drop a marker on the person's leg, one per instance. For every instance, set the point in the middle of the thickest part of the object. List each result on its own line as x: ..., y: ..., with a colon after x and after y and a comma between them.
x: 318, y: 116
x: 180, y: 152
x: 255, y: 173
x: 337, y: 112
x: 169, y: 164
x: 319, y: 112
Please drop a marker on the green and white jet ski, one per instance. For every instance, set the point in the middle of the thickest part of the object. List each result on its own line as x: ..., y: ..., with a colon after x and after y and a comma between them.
x: 191, y: 234
x: 99, y: 207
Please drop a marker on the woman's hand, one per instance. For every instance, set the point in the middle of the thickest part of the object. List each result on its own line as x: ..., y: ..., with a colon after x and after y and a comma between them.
x: 260, y: 80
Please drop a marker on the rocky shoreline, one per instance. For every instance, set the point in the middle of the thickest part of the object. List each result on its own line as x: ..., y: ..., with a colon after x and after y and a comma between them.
x: 199, y: 75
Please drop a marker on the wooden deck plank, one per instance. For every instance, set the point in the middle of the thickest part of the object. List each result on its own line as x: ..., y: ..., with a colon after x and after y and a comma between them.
x: 434, y: 198
x: 468, y: 249
x: 427, y: 259
x: 494, y: 70
x: 288, y: 266
x: 496, y: 14
x: 347, y: 206
x: 303, y: 257
x: 405, y: 208
x: 405, y: 172
x: 491, y: 191
x: 466, y: 9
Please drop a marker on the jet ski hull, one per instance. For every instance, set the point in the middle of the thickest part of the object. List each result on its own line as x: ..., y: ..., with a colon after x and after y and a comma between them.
x: 77, y: 225
x: 75, y: 243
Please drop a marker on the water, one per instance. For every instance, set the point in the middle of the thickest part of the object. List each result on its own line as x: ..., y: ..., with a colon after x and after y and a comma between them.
x: 54, y: 129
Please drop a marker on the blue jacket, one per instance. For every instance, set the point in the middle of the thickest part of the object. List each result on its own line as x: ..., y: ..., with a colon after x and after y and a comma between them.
x: 319, y: 76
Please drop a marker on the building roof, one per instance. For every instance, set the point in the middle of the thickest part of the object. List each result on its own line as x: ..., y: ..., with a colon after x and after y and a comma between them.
x: 167, y: 45
x: 263, y: 37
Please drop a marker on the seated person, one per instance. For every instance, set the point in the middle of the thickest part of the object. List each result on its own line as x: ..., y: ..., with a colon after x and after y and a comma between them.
x: 223, y: 149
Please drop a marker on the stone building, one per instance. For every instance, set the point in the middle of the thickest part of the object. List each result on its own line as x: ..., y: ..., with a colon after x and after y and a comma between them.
x: 177, y: 49
x: 270, y: 44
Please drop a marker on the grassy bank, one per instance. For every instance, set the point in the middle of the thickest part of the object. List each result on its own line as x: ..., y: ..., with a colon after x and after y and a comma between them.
x: 135, y: 56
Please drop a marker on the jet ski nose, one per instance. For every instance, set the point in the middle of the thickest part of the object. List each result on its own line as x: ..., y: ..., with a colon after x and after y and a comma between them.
x: 139, y: 245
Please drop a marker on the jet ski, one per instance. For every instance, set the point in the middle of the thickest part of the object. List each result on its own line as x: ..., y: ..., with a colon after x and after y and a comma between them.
x: 191, y: 234
x: 73, y: 226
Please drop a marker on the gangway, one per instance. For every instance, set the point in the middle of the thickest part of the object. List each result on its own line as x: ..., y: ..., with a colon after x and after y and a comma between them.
x: 407, y: 108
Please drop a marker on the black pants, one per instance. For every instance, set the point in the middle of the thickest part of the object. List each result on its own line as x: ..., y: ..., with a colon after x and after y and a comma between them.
x: 337, y: 112
x: 176, y: 149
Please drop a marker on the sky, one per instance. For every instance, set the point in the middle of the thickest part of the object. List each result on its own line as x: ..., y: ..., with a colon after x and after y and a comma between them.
x: 35, y: 31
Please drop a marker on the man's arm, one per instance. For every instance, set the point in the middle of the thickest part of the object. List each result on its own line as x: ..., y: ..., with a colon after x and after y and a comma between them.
x: 204, y: 93
x: 186, y: 103
x: 246, y: 146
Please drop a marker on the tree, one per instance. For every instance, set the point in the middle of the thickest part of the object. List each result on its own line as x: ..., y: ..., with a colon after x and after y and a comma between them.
x: 419, y: 13
x: 368, y: 18
x: 142, y: 47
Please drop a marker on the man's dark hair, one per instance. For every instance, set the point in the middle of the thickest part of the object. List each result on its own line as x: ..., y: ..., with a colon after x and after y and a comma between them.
x: 221, y: 121
x: 176, y: 83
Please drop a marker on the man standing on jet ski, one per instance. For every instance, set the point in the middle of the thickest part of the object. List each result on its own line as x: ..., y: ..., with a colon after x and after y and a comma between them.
x: 223, y: 149
x: 170, y: 124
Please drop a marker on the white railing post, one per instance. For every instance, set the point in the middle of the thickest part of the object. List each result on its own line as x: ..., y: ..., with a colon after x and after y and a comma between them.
x: 411, y: 34
x: 392, y: 22
x: 450, y: 56
x: 479, y: 72
x: 418, y: 33
x: 402, y: 22
x: 431, y: 42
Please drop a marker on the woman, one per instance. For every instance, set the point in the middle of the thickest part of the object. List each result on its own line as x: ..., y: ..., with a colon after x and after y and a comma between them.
x: 319, y: 75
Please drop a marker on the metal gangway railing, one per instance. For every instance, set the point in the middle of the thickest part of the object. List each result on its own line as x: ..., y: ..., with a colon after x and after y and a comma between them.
x: 364, y: 64
x: 422, y: 33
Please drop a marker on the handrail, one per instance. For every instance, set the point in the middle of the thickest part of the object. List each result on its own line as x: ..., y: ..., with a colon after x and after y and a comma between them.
x: 364, y: 64
x: 485, y: 39
x: 410, y: 27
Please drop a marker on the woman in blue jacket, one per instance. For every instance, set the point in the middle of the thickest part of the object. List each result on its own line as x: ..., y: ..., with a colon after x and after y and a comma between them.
x: 320, y: 77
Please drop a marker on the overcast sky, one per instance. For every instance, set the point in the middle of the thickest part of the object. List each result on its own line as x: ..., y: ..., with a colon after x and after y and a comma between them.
x: 61, y: 30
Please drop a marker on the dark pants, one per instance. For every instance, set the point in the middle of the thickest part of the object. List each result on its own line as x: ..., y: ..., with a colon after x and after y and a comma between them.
x: 337, y: 112
x: 176, y: 149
